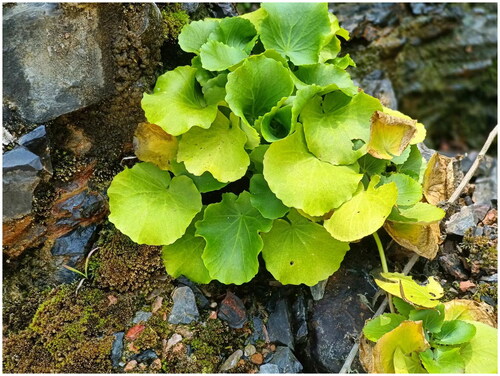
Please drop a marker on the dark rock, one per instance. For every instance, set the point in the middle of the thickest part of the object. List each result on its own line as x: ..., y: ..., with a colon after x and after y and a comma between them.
x: 452, y: 264
x: 37, y: 142
x: 279, y: 325
x: 184, y: 310
x: 232, y: 310
x: 355, y: 18
x: 54, y: 62
x: 269, y: 368
x: 232, y: 361
x: 221, y: 10
x: 286, y: 360
x: 318, y: 290
x: 466, y: 218
x: 201, y: 300
x: 141, y: 316
x: 21, y: 159
x: 484, y: 169
x: 426, y: 8
x: 299, y: 314
x: 117, y: 349
x: 146, y: 357
x: 76, y: 242
x: 258, y: 332
x: 337, y: 320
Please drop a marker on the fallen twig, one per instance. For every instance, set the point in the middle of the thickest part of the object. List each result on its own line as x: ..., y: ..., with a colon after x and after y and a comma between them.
x: 412, y: 261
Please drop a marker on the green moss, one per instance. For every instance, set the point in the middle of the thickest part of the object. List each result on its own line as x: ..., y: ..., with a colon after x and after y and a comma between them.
x: 174, y: 18
x: 125, y: 266
x: 483, y: 253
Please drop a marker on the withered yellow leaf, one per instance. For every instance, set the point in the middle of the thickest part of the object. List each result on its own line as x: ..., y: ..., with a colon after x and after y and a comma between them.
x: 424, y: 240
x: 389, y: 135
x: 153, y: 144
x: 439, y: 180
x: 408, y: 337
x: 420, y: 133
x: 463, y: 309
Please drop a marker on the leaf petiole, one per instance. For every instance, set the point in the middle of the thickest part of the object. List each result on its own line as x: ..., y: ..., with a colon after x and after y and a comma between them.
x: 383, y: 261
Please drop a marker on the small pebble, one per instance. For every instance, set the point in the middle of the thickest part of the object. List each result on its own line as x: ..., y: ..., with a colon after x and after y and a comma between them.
x: 257, y: 358
x: 141, y: 316
x: 213, y: 315
x: 142, y: 366
x: 112, y: 300
x: 176, y: 338
x: 156, y: 365
x: 156, y: 304
x: 134, y: 332
x: 232, y: 361
x: 249, y: 350
x: 213, y: 305
x: 269, y: 368
x: 130, y: 366
x: 466, y: 285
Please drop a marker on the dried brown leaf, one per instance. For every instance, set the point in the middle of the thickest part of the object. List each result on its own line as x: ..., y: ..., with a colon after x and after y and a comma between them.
x: 424, y: 240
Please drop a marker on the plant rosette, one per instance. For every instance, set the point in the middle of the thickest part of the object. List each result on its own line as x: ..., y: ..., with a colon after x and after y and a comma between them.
x: 426, y: 336
x: 267, y: 104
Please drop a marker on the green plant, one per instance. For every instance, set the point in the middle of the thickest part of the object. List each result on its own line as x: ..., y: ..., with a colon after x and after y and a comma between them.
x: 267, y: 103
x: 426, y: 336
x: 85, y: 275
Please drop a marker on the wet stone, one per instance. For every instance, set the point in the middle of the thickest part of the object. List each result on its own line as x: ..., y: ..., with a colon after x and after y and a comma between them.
x: 37, y: 142
x: 76, y: 242
x: 258, y: 332
x: 21, y: 159
x: 117, y: 349
x: 184, y: 310
x: 279, y: 325
x: 201, y: 300
x: 18, y: 188
x: 286, y: 361
x: 232, y: 361
x: 452, y: 264
x: 269, y: 368
x: 232, y: 310
x: 141, y: 316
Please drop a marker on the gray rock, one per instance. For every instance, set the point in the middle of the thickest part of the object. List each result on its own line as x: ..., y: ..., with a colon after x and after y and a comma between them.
x: 485, y: 191
x: 117, y: 349
x: 286, y: 361
x: 490, y: 278
x: 232, y: 361
x: 54, y: 58
x: 318, y: 290
x: 379, y: 85
x: 279, y: 325
x: 7, y: 138
x: 426, y: 152
x: 21, y: 159
x: 201, y: 300
x: 269, y: 368
x: 466, y: 218
x: 258, y: 332
x: 141, y: 316
x: 184, y: 310
x: 18, y: 188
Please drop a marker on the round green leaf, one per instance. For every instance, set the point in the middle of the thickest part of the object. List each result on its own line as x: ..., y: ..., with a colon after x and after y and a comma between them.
x: 184, y: 256
x: 481, y: 353
x: 219, y: 150
x: 364, y: 214
x: 432, y: 318
x: 455, y: 332
x: 296, y: 30
x: 255, y: 87
x: 443, y: 360
x: 340, y: 118
x: 409, y: 190
x: 264, y: 199
x: 177, y: 103
x: 231, y: 229
x: 301, y: 251
x: 149, y: 207
x: 217, y: 56
x: 302, y: 181
x: 415, y: 165
x: 196, y: 34
x: 420, y: 213
x: 375, y: 328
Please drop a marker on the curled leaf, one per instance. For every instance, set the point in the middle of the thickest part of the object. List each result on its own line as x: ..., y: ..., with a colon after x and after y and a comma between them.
x: 389, y: 135
x: 424, y: 240
x: 406, y: 288
x: 153, y: 144
x: 463, y: 309
x: 420, y: 133
x: 408, y: 337
x: 439, y: 179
